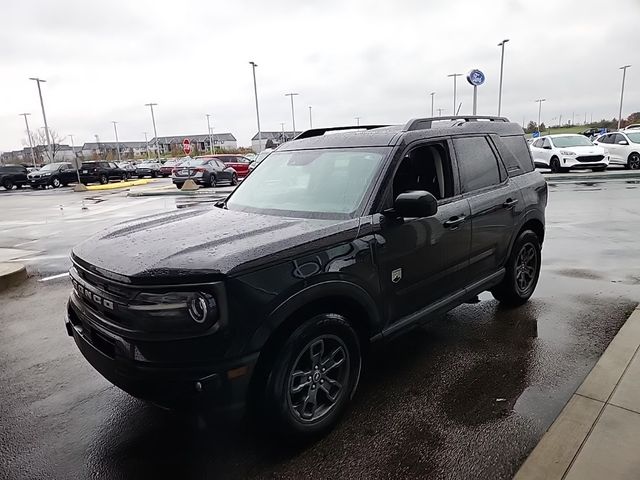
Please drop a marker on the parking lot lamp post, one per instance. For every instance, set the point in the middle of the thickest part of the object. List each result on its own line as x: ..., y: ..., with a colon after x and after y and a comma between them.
x: 26, y: 122
x: 255, y: 91
x: 539, y: 101
x: 146, y: 144
x: 293, y: 115
x: 455, y: 91
x: 115, y: 129
x: 433, y: 94
x: 310, y: 118
x: 284, y: 139
x: 501, y: 44
x: 357, y: 121
x: 44, y: 116
x: 624, y: 75
x: 439, y: 112
x: 75, y: 156
x: 155, y: 132
x: 211, y: 148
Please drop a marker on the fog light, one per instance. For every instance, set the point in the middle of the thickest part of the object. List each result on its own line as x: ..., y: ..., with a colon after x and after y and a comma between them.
x: 202, y: 308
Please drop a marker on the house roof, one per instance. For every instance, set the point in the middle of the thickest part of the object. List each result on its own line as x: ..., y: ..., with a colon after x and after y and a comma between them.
x: 95, y: 145
x: 217, y: 137
x: 275, y: 135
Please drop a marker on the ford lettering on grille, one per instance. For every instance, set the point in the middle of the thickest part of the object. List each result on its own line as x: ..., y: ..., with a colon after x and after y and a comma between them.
x: 92, y: 297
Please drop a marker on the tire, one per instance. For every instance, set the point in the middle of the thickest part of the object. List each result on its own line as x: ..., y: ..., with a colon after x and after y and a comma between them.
x: 599, y: 169
x: 234, y: 179
x: 633, y: 162
x: 35, y: 187
x: 179, y: 185
x: 213, y: 181
x: 7, y: 183
x: 323, y: 340
x: 19, y: 186
x: 154, y: 174
x: 55, y: 182
x: 555, y: 165
x: 164, y: 175
x: 518, y: 284
x: 103, y: 179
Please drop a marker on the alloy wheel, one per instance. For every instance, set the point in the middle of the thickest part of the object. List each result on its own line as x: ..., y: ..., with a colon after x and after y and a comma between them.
x: 318, y: 378
x: 634, y: 161
x: 526, y: 267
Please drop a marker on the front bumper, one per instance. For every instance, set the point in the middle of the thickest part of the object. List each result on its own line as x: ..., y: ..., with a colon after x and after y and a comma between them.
x: 218, y: 385
x: 574, y: 163
x: 39, y: 181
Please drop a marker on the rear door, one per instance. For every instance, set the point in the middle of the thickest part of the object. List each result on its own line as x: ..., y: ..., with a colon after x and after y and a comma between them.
x: 538, y: 154
x: 494, y: 201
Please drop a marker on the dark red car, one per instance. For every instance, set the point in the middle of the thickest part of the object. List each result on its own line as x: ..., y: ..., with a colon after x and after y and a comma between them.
x: 239, y: 163
x: 167, y: 167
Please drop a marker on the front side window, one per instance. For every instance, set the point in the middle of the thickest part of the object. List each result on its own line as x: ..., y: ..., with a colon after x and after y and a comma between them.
x: 427, y: 168
x: 477, y: 163
x: 538, y: 143
x: 546, y: 143
x: 325, y: 183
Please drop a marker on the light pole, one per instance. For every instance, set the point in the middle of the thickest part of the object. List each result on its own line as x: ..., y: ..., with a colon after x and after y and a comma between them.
x: 624, y: 75
x: 44, y: 116
x: 155, y: 132
x: 310, y: 119
x: 357, y: 121
x: 75, y: 155
x: 26, y: 122
x: 293, y: 116
x: 501, y: 44
x: 115, y: 129
x: 146, y: 144
x: 284, y: 139
x: 439, y: 112
x: 255, y: 91
x: 433, y: 94
x: 539, y: 101
x: 211, y: 147
x: 455, y: 86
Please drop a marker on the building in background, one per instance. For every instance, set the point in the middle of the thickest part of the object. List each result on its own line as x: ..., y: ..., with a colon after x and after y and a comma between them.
x: 109, y: 150
x: 271, y: 140
x: 199, y: 143
x: 62, y: 153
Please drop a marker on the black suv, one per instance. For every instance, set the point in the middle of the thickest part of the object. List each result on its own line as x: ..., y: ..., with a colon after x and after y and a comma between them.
x: 333, y: 242
x: 55, y: 174
x: 12, y: 175
x: 101, y: 172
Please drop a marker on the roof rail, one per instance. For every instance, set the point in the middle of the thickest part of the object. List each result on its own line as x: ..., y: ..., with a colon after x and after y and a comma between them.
x: 316, y: 132
x: 425, y: 123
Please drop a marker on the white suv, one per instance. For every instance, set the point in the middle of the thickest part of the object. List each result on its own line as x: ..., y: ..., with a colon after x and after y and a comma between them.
x: 623, y: 147
x: 562, y: 153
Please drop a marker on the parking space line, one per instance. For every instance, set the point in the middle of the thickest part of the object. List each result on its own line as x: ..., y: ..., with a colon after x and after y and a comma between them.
x: 53, y: 277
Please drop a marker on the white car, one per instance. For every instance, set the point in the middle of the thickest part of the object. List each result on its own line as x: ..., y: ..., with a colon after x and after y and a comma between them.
x: 633, y: 126
x: 562, y: 153
x: 622, y: 147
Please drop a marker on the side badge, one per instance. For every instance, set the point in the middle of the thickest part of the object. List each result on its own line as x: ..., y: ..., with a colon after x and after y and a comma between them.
x: 396, y: 275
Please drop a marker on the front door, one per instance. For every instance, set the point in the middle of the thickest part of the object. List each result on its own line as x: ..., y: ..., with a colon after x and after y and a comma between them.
x: 422, y: 260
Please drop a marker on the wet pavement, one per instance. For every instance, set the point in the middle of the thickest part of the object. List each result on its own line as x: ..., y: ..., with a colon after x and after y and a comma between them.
x: 467, y: 397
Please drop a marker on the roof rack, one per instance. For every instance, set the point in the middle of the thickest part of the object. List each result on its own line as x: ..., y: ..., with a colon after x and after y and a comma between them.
x: 425, y: 123
x: 316, y: 132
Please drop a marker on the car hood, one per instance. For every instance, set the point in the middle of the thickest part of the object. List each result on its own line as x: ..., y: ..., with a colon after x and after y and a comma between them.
x: 586, y: 150
x: 203, y: 243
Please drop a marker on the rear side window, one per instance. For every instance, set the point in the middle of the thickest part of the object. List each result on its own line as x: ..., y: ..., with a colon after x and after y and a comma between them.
x: 517, y: 156
x: 477, y: 163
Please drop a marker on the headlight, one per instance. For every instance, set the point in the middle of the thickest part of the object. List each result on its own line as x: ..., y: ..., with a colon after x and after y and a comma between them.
x: 45, y: 174
x: 567, y: 153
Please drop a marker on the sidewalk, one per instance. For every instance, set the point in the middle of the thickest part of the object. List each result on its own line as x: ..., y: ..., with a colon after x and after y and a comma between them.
x: 597, y: 435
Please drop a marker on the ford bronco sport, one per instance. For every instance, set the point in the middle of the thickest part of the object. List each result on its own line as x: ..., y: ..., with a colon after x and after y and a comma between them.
x: 340, y: 238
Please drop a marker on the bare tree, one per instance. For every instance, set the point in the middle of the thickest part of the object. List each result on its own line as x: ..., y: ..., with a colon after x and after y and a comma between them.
x: 40, y: 143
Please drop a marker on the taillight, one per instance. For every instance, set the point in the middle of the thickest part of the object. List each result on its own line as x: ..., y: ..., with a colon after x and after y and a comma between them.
x: 199, y: 169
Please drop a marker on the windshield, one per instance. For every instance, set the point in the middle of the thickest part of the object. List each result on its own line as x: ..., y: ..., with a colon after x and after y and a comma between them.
x: 50, y: 167
x: 634, y: 137
x: 310, y: 183
x: 147, y: 164
x: 262, y: 155
x: 572, y: 141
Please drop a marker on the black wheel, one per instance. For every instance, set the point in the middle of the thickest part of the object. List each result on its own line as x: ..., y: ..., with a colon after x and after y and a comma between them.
x: 55, y: 182
x: 140, y: 176
x: 599, y: 169
x: 313, y: 377
x: 7, y: 183
x: 179, y: 185
x: 234, y: 179
x: 154, y: 174
x: 18, y: 186
x: 522, y: 271
x: 213, y: 181
x: 123, y: 177
x: 165, y: 175
x: 35, y: 187
x: 43, y: 186
x: 555, y: 165
x: 103, y: 179
x: 633, y: 162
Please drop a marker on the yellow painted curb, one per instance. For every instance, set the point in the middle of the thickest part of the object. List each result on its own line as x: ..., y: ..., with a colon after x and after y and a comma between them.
x: 112, y: 186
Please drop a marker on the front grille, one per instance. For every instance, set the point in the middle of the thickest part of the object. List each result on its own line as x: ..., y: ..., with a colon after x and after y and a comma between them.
x: 590, y: 158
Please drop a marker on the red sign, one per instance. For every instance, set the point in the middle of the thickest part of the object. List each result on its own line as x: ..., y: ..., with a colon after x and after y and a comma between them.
x: 186, y: 146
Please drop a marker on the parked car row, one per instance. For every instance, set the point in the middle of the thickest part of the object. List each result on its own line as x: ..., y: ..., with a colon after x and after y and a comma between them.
x: 210, y: 170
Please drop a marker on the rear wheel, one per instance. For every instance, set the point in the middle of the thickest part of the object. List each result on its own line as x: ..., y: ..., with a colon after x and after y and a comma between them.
x: 522, y: 271
x: 234, y: 179
x: 103, y: 179
x: 212, y: 181
x: 55, y: 182
x: 18, y: 186
x: 179, y: 185
x: 35, y: 187
x: 7, y: 183
x: 313, y: 377
x: 633, y: 162
x: 154, y: 174
x: 599, y: 169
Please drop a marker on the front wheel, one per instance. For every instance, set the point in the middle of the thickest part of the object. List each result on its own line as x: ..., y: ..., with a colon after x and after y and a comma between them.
x: 7, y: 183
x: 633, y: 162
x: 599, y: 169
x: 55, y: 182
x: 179, y: 185
x: 234, y: 180
x: 104, y: 179
x: 522, y: 271
x: 313, y: 377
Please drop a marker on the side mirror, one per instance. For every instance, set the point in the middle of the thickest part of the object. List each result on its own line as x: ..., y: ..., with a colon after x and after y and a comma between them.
x: 623, y: 142
x: 416, y: 204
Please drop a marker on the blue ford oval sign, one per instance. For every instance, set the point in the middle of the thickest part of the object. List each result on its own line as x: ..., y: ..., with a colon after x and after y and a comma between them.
x: 475, y: 77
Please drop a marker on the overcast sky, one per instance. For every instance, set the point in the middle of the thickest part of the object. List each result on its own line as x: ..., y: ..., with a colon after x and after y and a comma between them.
x: 377, y: 60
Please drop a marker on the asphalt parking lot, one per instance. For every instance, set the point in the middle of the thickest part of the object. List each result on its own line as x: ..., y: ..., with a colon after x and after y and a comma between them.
x: 467, y: 397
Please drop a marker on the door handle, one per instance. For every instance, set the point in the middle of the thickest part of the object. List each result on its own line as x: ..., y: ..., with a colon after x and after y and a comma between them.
x: 453, y: 222
x: 510, y: 203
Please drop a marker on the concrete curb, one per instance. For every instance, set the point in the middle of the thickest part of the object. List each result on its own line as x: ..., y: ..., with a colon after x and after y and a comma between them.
x: 558, y: 449
x: 113, y: 186
x: 11, y: 274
